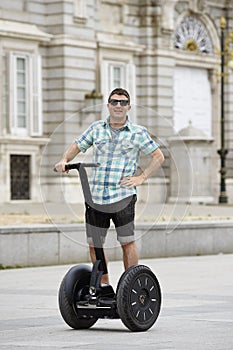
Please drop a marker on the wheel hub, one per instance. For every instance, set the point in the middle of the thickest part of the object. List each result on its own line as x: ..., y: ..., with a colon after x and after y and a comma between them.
x: 143, y: 297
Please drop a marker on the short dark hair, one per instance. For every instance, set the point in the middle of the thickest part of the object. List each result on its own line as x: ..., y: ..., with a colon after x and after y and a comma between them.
x: 119, y: 91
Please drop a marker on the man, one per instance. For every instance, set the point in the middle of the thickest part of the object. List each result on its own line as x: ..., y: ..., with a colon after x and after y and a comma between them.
x: 117, y: 144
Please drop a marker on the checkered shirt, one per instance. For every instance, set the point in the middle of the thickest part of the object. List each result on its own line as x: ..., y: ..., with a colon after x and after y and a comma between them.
x: 118, y: 157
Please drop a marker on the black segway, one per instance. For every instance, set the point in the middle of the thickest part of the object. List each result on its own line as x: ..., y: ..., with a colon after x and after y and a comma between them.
x: 82, y: 299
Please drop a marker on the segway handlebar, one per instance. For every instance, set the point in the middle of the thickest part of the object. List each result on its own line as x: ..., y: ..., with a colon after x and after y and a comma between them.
x: 83, y: 165
x: 80, y: 167
x: 77, y: 166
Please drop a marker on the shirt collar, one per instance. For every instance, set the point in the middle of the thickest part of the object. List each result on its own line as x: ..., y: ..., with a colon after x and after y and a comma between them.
x: 127, y: 124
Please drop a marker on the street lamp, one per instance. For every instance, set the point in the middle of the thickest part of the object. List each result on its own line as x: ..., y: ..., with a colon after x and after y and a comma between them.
x: 226, y: 62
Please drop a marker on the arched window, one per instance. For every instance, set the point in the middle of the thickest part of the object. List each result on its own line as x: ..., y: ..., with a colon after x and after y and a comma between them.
x: 192, y: 35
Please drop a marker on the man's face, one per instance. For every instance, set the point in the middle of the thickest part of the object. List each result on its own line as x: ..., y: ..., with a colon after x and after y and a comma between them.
x: 116, y: 110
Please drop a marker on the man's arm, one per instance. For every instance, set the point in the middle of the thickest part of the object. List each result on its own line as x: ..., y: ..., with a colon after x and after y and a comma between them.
x: 155, y: 163
x: 69, y: 154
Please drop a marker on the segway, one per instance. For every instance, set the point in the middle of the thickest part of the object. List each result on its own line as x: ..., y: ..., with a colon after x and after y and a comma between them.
x: 83, y: 300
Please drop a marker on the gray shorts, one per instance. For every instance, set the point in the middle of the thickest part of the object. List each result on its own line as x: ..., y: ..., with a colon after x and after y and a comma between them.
x: 98, y: 222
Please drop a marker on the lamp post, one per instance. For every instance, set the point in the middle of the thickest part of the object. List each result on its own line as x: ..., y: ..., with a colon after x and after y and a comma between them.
x: 225, y: 42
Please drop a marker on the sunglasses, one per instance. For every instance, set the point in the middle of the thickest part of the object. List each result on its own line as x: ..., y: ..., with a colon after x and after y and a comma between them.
x: 123, y: 103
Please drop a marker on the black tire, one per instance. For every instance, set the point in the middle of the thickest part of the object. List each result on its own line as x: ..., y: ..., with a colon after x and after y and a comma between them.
x: 138, y: 298
x: 71, y: 290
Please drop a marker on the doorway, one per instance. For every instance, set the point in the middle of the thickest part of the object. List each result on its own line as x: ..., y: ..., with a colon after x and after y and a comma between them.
x: 192, y: 99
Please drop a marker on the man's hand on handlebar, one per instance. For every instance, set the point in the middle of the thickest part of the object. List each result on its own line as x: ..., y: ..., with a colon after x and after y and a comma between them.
x: 60, y: 167
x: 64, y: 167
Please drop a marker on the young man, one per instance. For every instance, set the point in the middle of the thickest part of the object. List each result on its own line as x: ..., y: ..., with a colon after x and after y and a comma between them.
x: 116, y: 144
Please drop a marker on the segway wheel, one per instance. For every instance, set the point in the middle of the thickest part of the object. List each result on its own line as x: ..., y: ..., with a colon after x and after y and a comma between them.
x: 138, y: 298
x: 72, y: 289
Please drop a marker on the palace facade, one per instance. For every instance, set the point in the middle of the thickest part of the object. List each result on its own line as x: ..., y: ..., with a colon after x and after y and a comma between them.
x: 59, y: 59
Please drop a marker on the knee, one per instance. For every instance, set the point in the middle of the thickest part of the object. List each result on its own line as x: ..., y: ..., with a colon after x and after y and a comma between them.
x: 128, y: 246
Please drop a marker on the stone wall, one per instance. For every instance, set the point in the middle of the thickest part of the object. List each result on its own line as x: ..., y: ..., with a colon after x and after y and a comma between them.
x: 65, y: 244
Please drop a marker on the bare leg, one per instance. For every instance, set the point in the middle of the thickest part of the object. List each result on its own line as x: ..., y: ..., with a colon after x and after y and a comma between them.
x: 130, y: 254
x: 104, y: 279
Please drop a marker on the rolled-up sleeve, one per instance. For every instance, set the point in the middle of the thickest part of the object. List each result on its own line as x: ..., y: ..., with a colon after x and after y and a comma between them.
x: 85, y: 141
x: 148, y: 145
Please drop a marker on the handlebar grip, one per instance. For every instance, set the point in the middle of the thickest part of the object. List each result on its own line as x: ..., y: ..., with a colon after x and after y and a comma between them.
x: 77, y: 166
x: 83, y: 165
x: 72, y: 166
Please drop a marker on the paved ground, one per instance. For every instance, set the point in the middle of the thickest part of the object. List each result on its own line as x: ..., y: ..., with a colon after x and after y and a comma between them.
x: 197, y: 312
x: 26, y: 213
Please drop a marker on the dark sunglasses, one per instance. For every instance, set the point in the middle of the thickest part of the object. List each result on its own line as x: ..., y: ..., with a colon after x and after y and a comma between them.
x: 123, y: 103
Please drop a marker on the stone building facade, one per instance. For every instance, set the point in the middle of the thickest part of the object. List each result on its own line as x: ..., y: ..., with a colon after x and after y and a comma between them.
x: 60, y: 59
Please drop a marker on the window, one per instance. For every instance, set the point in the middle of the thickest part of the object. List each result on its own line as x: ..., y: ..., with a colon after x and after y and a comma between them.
x: 21, y: 94
x: 116, y: 76
x: 119, y: 74
x: 25, y: 95
x: 192, y: 35
x: 20, y: 176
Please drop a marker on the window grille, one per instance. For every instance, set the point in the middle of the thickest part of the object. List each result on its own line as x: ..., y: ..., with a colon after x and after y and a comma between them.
x: 20, y: 176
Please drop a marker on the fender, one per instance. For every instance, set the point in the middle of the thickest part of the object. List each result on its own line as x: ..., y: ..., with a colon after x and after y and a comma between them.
x: 72, y: 277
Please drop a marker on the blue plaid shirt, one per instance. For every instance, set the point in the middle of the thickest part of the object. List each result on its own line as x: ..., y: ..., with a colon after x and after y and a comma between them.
x: 118, y: 157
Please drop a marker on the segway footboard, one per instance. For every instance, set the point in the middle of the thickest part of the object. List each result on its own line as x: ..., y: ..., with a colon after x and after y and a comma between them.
x: 82, y: 304
x: 98, y: 302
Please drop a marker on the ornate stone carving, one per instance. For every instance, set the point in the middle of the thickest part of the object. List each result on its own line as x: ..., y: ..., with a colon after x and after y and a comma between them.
x: 181, y: 6
x: 201, y: 5
x: 197, y: 6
